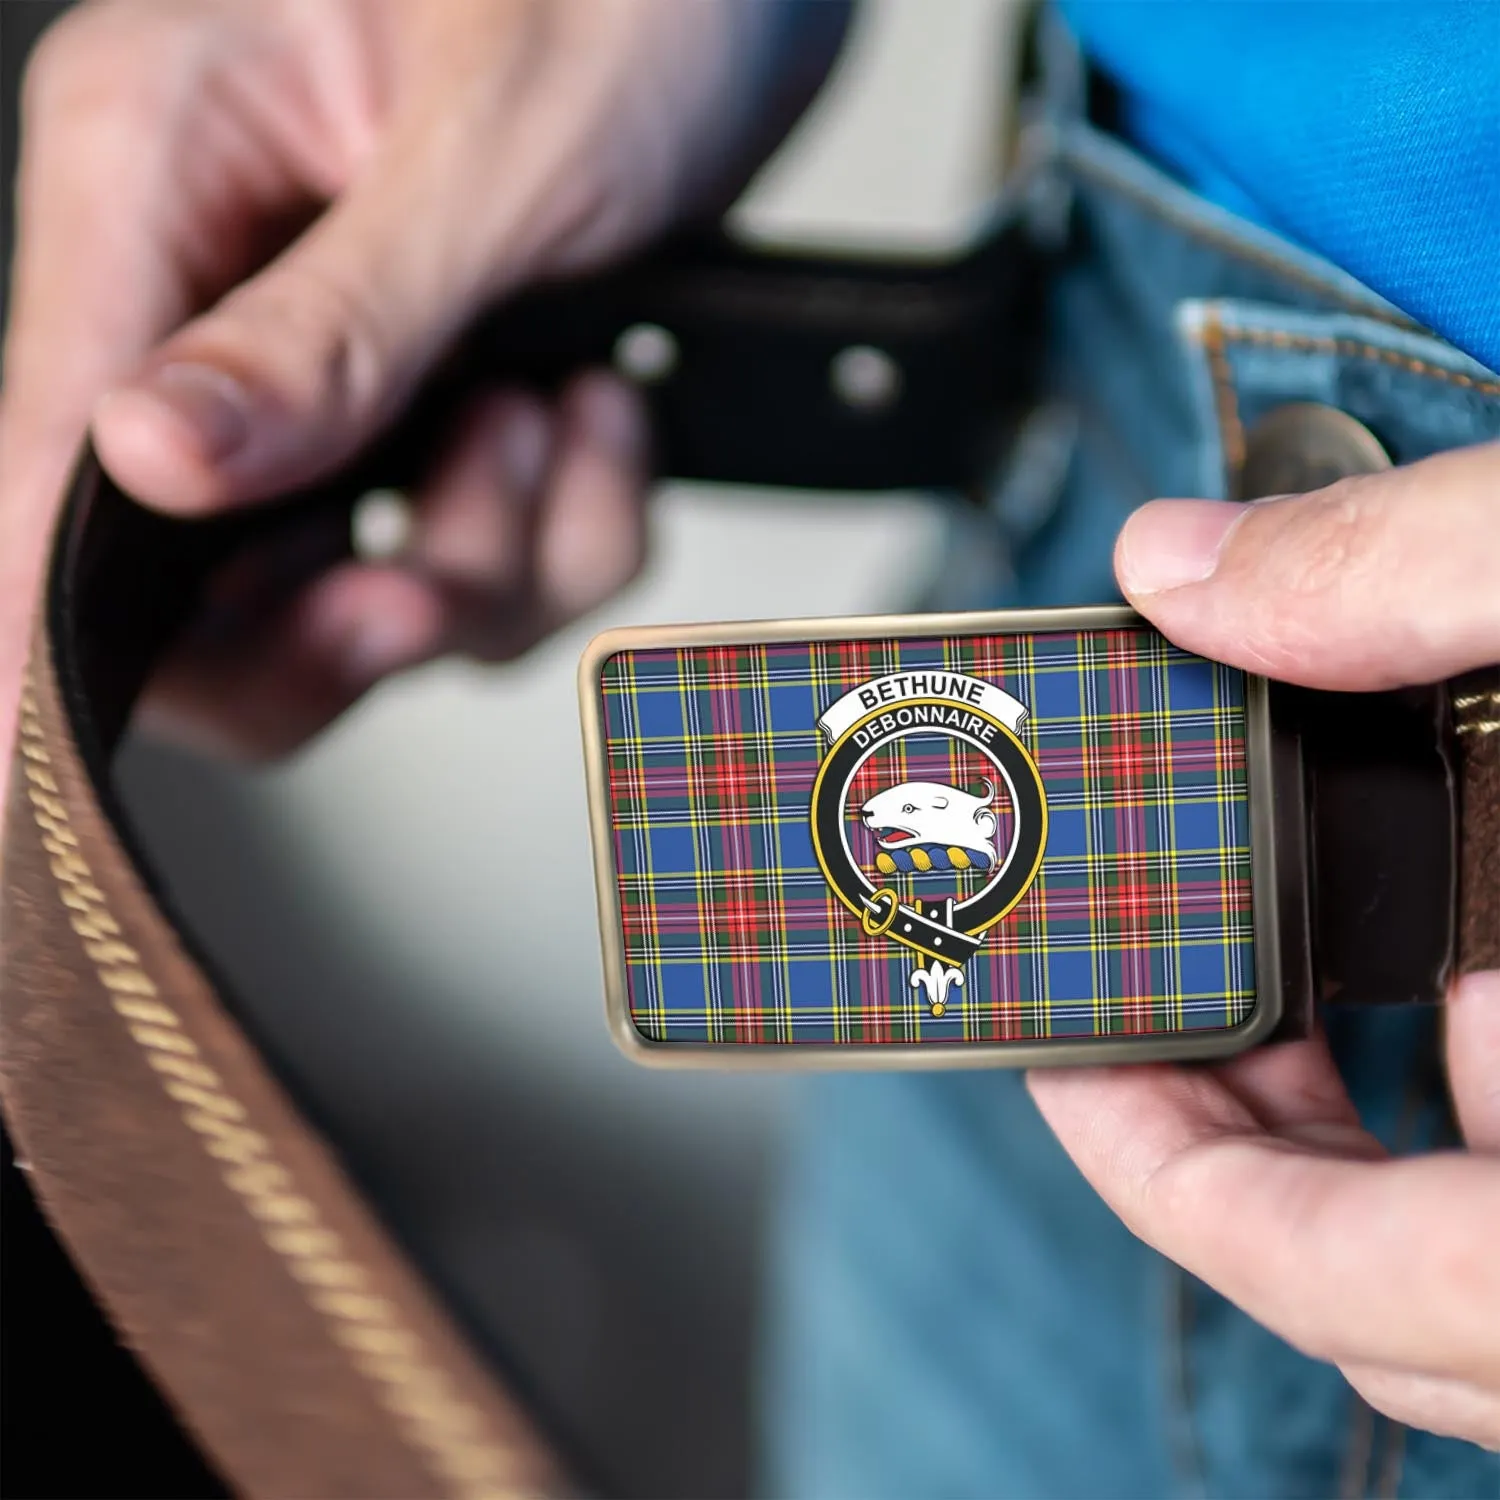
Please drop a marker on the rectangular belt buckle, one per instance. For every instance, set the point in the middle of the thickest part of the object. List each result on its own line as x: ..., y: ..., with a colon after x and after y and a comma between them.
x: 1012, y: 838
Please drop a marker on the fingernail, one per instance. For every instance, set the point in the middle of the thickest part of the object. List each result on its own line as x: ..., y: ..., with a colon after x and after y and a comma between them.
x: 590, y: 551
x: 1170, y: 543
x: 377, y: 647
x: 612, y: 417
x: 211, y: 405
x: 522, y: 443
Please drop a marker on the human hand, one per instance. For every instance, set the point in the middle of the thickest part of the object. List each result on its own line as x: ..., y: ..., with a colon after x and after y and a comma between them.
x: 246, y: 230
x: 1256, y: 1175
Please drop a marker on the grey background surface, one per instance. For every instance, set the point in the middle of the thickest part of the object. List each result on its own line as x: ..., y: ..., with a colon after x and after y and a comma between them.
x: 406, y: 907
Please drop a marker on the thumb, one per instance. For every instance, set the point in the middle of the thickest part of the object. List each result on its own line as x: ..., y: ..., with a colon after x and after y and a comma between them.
x: 292, y: 371
x: 1378, y: 581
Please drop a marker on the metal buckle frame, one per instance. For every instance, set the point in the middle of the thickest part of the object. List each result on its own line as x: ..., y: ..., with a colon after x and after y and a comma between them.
x: 1281, y: 937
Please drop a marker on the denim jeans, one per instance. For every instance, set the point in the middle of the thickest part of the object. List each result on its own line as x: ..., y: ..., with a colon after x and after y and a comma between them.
x: 952, y: 1311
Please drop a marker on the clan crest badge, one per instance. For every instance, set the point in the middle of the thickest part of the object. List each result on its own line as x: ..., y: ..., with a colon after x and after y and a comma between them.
x: 929, y: 817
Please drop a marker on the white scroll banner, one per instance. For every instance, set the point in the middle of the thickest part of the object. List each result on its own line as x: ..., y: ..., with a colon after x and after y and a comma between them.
x: 952, y: 689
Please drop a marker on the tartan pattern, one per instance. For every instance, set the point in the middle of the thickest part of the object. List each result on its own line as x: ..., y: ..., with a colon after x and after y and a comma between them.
x: 1140, y: 918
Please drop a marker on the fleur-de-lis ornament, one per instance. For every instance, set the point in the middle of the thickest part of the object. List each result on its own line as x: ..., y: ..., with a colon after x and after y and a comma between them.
x: 937, y: 981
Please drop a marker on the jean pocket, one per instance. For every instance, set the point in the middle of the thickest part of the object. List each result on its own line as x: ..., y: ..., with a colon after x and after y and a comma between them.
x: 1415, y: 393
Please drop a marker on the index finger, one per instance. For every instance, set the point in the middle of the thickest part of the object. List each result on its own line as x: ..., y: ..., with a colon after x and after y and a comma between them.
x: 93, y: 286
x: 1380, y: 1262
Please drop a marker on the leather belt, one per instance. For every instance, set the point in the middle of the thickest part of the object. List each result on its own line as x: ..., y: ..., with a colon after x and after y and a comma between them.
x: 217, y: 1226
x: 211, y: 1217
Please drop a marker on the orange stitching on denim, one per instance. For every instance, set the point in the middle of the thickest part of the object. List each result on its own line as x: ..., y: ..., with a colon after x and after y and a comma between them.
x: 1354, y: 349
x: 1226, y: 402
x: 1214, y: 335
x: 1266, y: 260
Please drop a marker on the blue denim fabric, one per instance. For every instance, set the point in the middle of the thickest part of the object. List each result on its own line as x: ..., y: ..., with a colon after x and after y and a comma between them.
x: 953, y: 1312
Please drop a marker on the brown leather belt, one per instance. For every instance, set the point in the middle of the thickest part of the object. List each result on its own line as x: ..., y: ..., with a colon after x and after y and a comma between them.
x: 231, y: 1248
x: 228, y: 1244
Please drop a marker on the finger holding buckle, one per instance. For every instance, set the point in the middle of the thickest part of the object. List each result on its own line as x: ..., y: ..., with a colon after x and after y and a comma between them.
x: 1378, y: 581
x: 1256, y: 1175
x: 247, y: 232
x: 535, y: 515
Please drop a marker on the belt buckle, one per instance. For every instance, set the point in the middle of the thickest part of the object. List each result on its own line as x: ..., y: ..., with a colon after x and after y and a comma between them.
x: 1011, y: 838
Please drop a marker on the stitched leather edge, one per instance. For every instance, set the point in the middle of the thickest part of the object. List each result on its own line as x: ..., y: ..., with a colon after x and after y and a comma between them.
x: 1476, y: 729
x: 457, y: 1426
x: 366, y: 1326
x: 1212, y: 336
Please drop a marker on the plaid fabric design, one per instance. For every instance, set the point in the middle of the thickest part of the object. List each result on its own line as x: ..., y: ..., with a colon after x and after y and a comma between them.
x: 1138, y: 922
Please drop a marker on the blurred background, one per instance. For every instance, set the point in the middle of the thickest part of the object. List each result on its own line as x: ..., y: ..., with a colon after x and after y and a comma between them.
x: 379, y: 904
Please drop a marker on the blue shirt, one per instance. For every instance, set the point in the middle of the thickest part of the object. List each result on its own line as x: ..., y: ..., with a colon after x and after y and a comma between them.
x: 1366, y: 130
